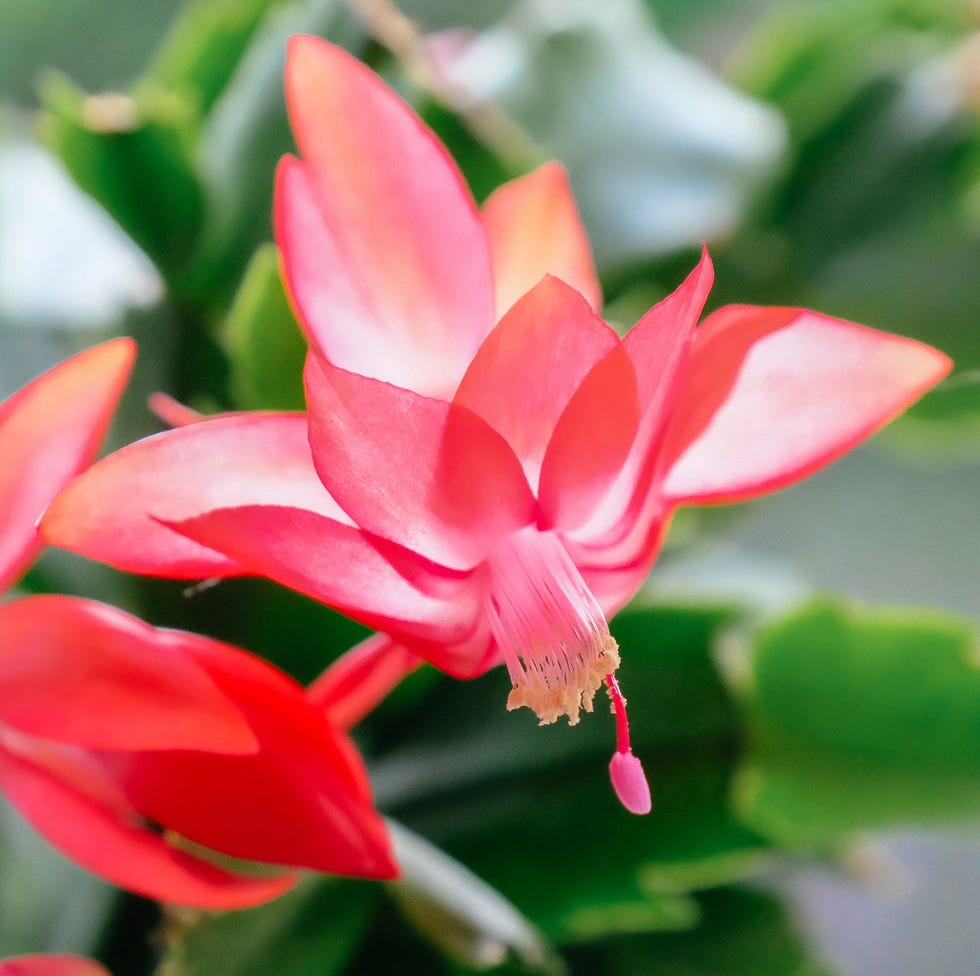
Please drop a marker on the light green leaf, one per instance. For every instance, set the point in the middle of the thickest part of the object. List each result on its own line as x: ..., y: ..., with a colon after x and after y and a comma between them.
x: 265, y: 348
x: 131, y: 155
x: 860, y: 719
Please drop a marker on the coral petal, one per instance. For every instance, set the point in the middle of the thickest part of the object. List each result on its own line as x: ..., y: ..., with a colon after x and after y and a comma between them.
x: 338, y: 565
x: 534, y: 229
x: 531, y: 364
x: 429, y: 475
x: 49, y: 431
x: 384, y: 251
x: 116, y: 511
x: 775, y: 394
x: 358, y: 680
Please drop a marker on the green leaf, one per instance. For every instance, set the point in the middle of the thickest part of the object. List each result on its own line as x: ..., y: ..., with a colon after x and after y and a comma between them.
x: 200, y: 54
x: 265, y: 347
x: 132, y: 156
x: 860, y: 719
x: 311, y: 931
x: 466, y: 918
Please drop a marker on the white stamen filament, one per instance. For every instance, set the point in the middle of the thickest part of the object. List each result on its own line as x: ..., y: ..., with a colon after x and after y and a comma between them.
x: 550, y: 628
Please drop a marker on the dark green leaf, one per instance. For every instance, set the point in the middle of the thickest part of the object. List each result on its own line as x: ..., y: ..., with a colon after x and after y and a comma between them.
x: 311, y: 931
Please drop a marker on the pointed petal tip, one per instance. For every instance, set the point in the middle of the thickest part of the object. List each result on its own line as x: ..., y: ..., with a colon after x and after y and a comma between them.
x: 630, y: 783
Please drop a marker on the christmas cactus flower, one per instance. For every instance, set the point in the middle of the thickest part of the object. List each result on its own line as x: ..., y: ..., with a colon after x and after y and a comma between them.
x: 131, y: 748
x: 53, y: 965
x: 486, y: 470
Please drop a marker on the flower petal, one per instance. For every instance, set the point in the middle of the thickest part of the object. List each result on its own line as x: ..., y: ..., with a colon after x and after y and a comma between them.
x: 338, y: 565
x: 383, y: 249
x: 51, y: 965
x: 76, y: 808
x: 534, y: 229
x: 89, y: 675
x: 427, y: 474
x: 359, y: 679
x: 303, y: 799
x: 531, y: 364
x: 775, y: 394
x: 116, y: 511
x: 601, y: 497
x: 49, y: 431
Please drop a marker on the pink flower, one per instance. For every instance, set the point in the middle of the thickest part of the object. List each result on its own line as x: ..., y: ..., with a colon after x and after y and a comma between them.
x: 58, y: 965
x: 478, y: 492
x: 130, y: 747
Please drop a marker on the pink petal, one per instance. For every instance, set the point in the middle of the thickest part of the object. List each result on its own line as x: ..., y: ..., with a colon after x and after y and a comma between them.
x: 338, y: 565
x: 383, y: 249
x: 531, y: 364
x: 303, y: 799
x: 360, y: 679
x: 116, y: 510
x: 49, y: 431
x: 54, y: 965
x: 429, y: 475
x: 71, y: 803
x: 534, y: 229
x: 602, y: 498
x: 775, y: 394
x: 89, y: 675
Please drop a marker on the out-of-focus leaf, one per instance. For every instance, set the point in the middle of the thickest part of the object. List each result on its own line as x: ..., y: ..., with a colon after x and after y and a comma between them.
x: 48, y: 903
x: 661, y: 153
x: 311, y: 931
x: 470, y: 921
x: 505, y: 796
x: 875, y: 217
x: 132, y: 155
x: 265, y: 348
x: 103, y: 45
x: 861, y: 719
x: 742, y: 933
x: 199, y: 56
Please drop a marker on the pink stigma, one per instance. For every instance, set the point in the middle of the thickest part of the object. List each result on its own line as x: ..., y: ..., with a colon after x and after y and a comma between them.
x: 625, y: 770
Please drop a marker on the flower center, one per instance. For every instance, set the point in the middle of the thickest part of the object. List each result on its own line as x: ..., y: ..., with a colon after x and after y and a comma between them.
x: 549, y: 627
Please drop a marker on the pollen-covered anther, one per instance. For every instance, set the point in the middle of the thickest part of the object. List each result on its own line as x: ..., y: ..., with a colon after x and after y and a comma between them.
x: 549, y: 627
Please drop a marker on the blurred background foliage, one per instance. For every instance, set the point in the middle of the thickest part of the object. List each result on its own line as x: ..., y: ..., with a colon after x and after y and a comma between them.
x: 804, y: 740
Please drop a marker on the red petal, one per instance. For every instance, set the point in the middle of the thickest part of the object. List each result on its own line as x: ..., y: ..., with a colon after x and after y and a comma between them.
x: 49, y: 431
x: 534, y: 229
x: 358, y: 680
x: 429, y: 475
x: 115, y: 511
x: 775, y: 394
x: 303, y: 799
x: 71, y: 803
x: 86, y: 674
x: 531, y: 364
x: 338, y: 565
x: 59, y: 965
x: 383, y: 249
